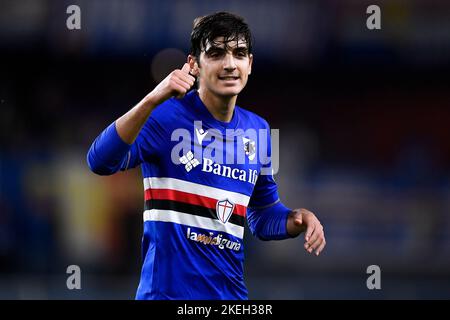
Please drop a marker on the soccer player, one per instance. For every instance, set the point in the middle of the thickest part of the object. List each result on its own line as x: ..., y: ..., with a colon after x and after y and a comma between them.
x: 197, y: 194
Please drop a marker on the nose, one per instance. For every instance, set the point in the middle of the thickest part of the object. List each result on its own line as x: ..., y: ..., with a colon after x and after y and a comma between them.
x: 229, y: 63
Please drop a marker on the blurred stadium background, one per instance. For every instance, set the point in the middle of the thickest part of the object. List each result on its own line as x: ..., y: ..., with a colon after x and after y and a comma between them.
x: 364, y: 121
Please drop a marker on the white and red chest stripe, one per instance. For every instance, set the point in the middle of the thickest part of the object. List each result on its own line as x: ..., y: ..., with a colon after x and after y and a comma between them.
x: 193, y: 204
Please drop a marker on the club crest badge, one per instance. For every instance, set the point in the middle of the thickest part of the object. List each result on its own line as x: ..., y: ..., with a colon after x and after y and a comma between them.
x: 224, y: 210
x: 249, y: 148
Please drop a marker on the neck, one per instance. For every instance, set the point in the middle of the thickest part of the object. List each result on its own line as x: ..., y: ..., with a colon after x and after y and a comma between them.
x: 220, y: 107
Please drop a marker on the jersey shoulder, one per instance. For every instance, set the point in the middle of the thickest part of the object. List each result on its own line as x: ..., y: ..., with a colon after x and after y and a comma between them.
x: 170, y: 114
x: 252, y: 118
x: 169, y: 110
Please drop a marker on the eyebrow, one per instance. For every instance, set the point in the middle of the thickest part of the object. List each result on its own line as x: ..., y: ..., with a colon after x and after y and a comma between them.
x: 222, y: 49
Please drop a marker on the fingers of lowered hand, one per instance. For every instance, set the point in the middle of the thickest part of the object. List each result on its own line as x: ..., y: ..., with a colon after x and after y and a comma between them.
x: 317, y: 241
x: 322, y: 245
x: 312, y: 240
x: 309, y: 231
x: 317, y: 238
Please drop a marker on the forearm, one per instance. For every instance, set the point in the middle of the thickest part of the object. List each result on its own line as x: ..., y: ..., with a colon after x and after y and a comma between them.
x: 107, y: 152
x: 110, y: 152
x: 270, y: 223
x: 111, y: 148
x: 130, y: 124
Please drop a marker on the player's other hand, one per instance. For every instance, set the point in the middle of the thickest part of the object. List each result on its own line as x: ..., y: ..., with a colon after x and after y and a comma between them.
x: 302, y: 220
x: 176, y: 84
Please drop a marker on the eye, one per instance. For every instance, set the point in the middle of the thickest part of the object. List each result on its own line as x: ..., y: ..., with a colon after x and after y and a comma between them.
x: 241, y: 54
x: 214, y: 53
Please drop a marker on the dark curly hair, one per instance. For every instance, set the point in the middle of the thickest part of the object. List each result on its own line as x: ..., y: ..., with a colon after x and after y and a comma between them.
x: 220, y: 24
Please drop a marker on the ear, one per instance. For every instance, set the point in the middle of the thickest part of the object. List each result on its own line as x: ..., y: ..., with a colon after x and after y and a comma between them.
x: 193, y: 64
x: 250, y: 61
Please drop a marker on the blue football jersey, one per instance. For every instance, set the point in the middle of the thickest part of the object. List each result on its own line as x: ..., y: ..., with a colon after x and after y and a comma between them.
x: 200, y: 176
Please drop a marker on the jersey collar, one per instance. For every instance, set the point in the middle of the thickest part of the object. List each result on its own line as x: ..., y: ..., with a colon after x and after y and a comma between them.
x: 199, y: 107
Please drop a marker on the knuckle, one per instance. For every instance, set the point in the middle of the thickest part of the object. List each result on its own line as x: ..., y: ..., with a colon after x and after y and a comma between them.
x: 175, y: 74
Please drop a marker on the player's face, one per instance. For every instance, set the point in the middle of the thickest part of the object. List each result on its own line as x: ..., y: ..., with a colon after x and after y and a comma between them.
x: 224, y: 67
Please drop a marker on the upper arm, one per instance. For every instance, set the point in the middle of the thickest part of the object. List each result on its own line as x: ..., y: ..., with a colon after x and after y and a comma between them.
x: 265, y: 192
x: 147, y: 145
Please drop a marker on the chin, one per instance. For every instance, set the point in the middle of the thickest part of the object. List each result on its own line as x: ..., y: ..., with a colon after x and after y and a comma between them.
x: 230, y: 92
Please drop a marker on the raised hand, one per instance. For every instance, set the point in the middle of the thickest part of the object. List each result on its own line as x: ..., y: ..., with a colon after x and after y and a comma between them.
x: 176, y: 84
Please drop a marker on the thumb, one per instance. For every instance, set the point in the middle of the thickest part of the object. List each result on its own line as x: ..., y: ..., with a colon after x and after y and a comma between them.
x: 186, y: 68
x: 298, y: 220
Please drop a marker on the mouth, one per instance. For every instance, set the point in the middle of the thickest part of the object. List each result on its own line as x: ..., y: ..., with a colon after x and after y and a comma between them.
x: 228, y: 78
